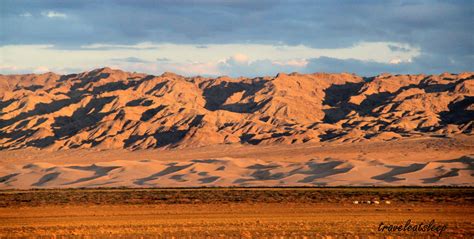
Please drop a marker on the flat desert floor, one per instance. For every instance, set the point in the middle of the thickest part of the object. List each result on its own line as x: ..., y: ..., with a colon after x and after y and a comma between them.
x: 235, y: 213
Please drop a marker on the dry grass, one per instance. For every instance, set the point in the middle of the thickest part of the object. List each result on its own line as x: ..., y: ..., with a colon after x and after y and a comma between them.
x: 445, y: 195
x: 231, y: 213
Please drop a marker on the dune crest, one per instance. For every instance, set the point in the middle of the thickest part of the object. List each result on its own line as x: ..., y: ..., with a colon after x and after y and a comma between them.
x: 112, y: 109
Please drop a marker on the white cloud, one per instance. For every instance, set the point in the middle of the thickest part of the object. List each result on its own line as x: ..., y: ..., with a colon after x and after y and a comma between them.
x: 26, y: 14
x: 197, y: 68
x: 187, y: 69
x: 13, y: 69
x: 368, y: 51
x: 240, y: 58
x: 292, y: 62
x: 139, y: 46
x: 396, y: 61
x: 8, y: 68
x: 53, y: 14
x: 41, y: 69
x: 187, y: 59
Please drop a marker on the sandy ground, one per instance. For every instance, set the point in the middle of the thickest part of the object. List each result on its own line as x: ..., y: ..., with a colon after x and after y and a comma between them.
x: 419, y: 162
x: 421, y: 149
x: 258, y: 218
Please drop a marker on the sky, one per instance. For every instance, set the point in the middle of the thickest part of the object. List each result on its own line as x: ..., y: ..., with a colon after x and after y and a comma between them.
x: 237, y: 38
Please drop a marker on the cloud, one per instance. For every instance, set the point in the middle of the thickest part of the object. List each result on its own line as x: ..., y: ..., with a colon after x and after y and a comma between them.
x: 292, y: 62
x: 13, y: 69
x: 53, y: 14
x: 360, y: 67
x: 41, y: 69
x: 197, y: 68
x: 423, y: 64
x: 101, y: 46
x: 263, y: 67
x: 398, y: 48
x: 222, y: 59
x: 238, y: 58
x: 9, y: 69
x: 439, y: 30
x: 395, y: 61
x: 130, y: 59
x: 26, y: 14
x: 317, y: 24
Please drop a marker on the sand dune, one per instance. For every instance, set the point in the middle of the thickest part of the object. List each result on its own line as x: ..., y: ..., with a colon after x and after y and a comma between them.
x: 239, y: 172
x: 431, y: 161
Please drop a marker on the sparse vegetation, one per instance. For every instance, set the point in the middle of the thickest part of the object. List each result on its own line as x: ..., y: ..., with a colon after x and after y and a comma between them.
x: 231, y: 212
x: 344, y: 195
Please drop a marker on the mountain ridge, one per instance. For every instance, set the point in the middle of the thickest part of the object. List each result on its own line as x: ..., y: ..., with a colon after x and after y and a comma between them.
x: 107, y: 108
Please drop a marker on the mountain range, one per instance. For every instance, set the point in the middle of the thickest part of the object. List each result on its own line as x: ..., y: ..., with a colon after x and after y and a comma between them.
x: 112, y: 109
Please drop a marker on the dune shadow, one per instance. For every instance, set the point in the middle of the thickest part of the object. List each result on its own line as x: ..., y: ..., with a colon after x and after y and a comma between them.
x: 207, y: 161
x: 391, y: 176
x: 6, y: 178
x: 321, y: 170
x: 46, y: 178
x: 98, y: 172
x: 178, y: 177
x: 262, y: 166
x: 172, y: 168
x: 208, y: 179
x: 313, y: 171
x: 453, y: 172
x: 469, y: 161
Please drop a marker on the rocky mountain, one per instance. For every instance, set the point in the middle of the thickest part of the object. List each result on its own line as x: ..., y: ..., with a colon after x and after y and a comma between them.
x: 107, y: 108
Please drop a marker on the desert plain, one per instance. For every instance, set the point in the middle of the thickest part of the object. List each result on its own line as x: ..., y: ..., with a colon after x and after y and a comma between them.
x: 235, y: 212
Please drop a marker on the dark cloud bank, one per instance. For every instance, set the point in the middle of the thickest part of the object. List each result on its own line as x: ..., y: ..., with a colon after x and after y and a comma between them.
x: 441, y: 29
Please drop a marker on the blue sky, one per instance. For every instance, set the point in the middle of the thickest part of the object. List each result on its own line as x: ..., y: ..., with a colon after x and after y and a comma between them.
x: 237, y: 38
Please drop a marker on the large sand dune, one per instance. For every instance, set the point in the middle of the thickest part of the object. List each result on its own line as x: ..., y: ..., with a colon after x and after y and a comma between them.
x: 420, y: 162
x: 234, y: 172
